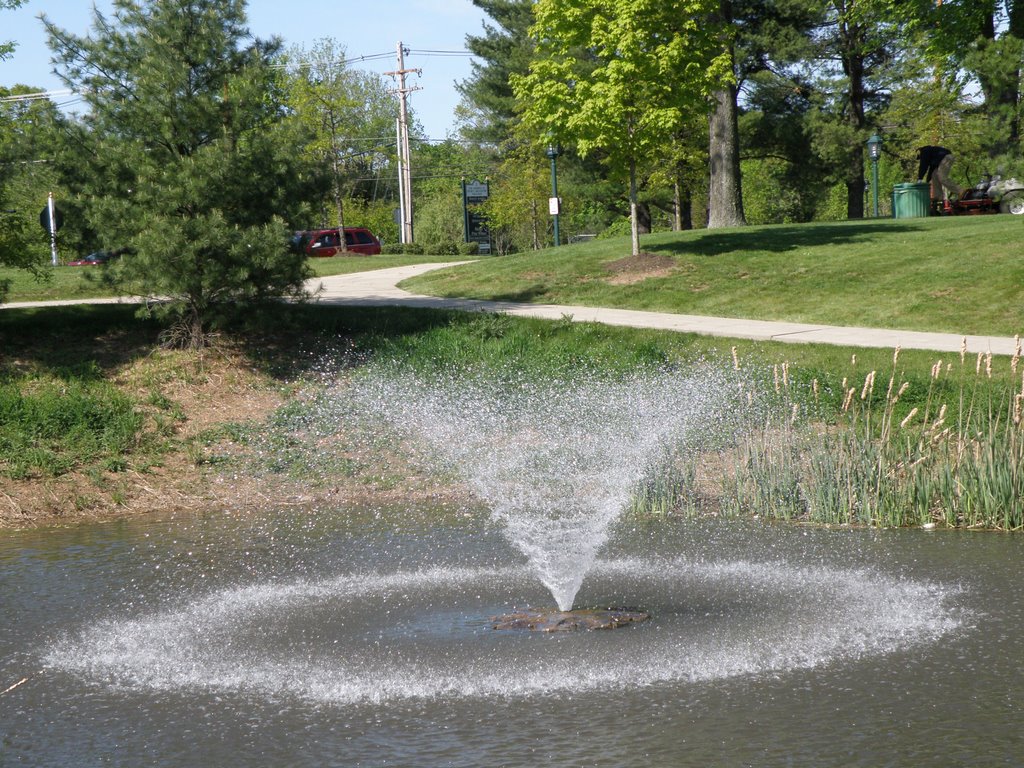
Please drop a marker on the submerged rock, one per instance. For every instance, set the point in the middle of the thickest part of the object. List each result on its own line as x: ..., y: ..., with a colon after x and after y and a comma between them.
x: 554, y: 620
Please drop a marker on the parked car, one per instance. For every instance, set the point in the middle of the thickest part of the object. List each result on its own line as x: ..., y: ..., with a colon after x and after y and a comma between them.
x: 325, y: 242
x: 95, y: 259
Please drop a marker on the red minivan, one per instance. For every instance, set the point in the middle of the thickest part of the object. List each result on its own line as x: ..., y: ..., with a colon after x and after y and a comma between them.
x: 325, y: 242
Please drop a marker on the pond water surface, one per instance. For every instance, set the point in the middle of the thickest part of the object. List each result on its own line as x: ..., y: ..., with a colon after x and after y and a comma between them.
x: 361, y: 638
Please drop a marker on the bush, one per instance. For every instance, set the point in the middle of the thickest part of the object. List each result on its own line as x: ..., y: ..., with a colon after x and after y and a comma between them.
x: 469, y: 249
x: 447, y: 248
x: 398, y: 249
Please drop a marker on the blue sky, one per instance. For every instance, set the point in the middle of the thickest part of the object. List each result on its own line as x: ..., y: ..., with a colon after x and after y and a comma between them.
x: 364, y: 28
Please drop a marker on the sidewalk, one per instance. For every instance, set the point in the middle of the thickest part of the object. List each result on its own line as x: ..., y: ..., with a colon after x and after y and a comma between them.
x: 378, y: 288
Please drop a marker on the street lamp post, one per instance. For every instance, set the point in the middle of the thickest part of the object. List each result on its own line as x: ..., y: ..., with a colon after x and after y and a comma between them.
x: 874, y: 151
x: 554, y: 204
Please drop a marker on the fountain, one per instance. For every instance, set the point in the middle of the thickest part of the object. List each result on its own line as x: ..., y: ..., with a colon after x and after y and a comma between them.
x: 556, y: 460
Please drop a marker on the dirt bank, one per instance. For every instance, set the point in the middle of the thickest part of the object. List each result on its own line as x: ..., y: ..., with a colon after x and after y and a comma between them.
x: 187, y: 459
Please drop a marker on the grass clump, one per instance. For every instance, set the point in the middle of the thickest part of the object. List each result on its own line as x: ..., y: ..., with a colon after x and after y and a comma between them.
x: 52, y: 427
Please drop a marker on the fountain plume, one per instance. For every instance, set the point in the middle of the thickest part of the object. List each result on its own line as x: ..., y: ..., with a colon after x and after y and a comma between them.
x: 556, y: 460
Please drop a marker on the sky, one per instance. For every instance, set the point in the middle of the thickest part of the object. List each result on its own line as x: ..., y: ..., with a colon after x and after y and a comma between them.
x: 364, y: 27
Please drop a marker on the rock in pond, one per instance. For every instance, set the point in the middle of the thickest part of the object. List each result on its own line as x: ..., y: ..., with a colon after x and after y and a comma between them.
x: 554, y: 620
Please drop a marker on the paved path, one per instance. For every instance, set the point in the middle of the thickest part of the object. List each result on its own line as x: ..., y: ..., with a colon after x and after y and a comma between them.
x: 379, y: 288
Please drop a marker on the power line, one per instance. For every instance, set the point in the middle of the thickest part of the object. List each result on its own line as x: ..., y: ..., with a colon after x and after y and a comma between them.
x: 36, y: 96
x: 428, y: 52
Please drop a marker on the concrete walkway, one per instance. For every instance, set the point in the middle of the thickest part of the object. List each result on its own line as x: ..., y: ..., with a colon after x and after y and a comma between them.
x: 378, y: 288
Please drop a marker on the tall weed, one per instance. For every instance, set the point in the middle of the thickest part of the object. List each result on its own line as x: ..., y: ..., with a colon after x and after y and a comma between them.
x: 958, y: 464
x: 50, y: 427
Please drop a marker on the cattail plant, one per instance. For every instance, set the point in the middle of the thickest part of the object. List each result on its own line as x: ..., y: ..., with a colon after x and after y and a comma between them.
x: 959, y: 463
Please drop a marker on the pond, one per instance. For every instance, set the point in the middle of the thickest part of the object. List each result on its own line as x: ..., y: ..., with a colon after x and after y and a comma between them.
x: 362, y: 637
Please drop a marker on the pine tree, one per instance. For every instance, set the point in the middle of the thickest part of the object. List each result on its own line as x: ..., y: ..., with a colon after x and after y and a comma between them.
x: 186, y: 159
x: 502, y: 50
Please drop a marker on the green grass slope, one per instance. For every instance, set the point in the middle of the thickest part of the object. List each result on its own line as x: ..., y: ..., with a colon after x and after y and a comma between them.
x: 956, y: 275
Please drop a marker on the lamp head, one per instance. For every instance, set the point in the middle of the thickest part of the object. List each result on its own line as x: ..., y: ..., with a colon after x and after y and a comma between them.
x: 875, y: 146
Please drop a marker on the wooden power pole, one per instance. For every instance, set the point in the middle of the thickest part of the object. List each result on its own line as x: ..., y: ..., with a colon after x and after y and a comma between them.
x: 404, y: 166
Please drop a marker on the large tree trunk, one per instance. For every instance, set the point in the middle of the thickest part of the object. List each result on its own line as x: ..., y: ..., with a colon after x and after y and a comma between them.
x: 725, y: 193
x: 852, y: 47
x: 682, y: 207
x: 725, y: 198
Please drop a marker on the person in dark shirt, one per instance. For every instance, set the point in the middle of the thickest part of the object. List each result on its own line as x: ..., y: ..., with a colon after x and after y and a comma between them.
x: 933, y: 164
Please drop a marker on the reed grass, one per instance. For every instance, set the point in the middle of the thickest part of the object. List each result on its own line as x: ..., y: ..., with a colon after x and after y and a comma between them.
x: 956, y: 465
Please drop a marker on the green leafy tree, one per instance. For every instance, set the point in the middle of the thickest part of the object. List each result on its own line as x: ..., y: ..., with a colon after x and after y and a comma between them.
x: 15, y: 249
x: 786, y: 182
x: 517, y: 210
x: 186, y: 157
x: 437, y: 189
x: 617, y: 77
x: 858, y: 63
x: 7, y: 46
x: 763, y: 40
x: 982, y: 39
x: 29, y: 143
x: 20, y: 236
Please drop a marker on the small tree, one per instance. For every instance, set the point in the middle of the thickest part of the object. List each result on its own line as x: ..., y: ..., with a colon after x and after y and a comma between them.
x: 186, y: 156
x: 518, y: 207
x: 14, y: 226
x: 619, y: 76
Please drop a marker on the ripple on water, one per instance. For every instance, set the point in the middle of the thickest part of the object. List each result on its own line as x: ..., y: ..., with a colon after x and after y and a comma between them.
x: 424, y: 634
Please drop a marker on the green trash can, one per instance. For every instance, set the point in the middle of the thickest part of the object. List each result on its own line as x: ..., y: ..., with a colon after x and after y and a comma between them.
x: 912, y: 200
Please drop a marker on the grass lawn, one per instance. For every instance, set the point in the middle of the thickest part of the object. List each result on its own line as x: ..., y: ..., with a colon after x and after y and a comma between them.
x: 956, y: 275
x: 961, y: 275
x: 55, y: 283
x: 343, y: 265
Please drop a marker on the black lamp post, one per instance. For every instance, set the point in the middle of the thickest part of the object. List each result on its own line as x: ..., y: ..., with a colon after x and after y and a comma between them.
x: 554, y: 204
x: 874, y: 152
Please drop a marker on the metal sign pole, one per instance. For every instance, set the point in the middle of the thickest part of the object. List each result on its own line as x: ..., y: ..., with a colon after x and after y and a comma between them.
x: 53, y: 228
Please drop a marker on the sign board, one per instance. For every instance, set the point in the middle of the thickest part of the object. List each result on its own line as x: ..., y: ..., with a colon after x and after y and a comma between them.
x: 474, y: 193
x: 554, y: 205
x: 44, y: 219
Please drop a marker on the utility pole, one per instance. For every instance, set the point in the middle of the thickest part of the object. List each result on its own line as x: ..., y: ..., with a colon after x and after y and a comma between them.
x: 404, y: 167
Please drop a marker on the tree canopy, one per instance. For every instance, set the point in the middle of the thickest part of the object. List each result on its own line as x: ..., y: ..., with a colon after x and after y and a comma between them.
x: 619, y: 77
x: 186, y: 158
